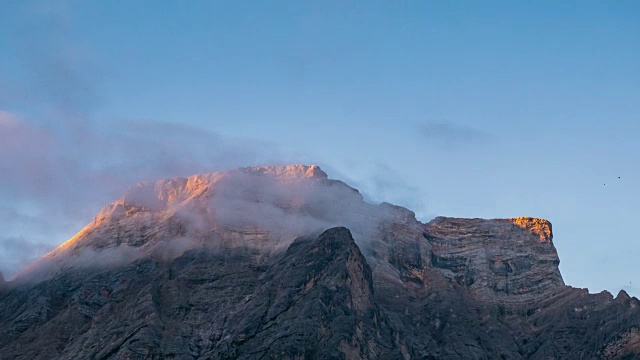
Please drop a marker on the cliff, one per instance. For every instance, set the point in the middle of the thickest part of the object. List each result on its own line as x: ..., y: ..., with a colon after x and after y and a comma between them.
x: 502, y: 260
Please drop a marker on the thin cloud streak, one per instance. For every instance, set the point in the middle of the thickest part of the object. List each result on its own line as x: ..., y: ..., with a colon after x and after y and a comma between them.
x: 451, y: 136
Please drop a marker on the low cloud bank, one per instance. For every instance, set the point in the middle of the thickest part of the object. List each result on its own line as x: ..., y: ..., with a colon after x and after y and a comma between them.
x: 243, y: 208
x: 50, y: 183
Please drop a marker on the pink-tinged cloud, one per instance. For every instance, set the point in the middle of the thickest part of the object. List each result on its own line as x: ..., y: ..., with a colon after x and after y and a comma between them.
x: 64, y: 178
x: 28, y: 156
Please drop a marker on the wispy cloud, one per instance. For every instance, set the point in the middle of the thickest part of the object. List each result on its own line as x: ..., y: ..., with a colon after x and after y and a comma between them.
x: 18, y: 252
x: 451, y: 136
x: 386, y: 184
x: 60, y: 162
x: 48, y: 178
x: 286, y: 204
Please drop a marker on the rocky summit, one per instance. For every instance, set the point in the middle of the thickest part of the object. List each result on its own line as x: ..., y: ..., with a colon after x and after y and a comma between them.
x: 282, y: 262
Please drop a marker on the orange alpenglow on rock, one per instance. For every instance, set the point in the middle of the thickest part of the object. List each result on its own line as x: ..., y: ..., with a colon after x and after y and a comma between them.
x: 541, y: 227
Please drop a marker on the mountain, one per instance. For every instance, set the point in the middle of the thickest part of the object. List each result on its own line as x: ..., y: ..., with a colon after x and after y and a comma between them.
x: 281, y: 262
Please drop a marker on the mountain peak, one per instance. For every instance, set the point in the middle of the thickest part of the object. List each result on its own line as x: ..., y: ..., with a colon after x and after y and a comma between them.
x: 295, y: 171
x: 263, y: 207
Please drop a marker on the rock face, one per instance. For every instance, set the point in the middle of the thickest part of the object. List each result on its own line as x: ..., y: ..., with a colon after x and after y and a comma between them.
x: 285, y: 263
x: 507, y: 261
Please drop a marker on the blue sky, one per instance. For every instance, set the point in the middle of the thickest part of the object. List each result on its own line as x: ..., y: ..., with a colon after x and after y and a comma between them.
x: 471, y: 109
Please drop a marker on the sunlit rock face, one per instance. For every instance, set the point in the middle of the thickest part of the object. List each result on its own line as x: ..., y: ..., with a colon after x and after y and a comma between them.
x: 503, y: 260
x: 283, y: 262
x: 263, y: 208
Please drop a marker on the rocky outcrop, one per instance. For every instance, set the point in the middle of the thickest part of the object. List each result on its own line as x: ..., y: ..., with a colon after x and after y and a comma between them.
x: 316, y: 300
x: 625, y: 343
x: 320, y: 291
x: 504, y: 260
x: 285, y: 263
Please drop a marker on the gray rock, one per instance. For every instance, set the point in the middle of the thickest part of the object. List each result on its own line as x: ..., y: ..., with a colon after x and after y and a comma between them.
x: 504, y: 260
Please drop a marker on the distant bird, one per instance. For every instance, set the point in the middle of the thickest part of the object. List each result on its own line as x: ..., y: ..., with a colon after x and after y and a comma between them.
x: 618, y: 177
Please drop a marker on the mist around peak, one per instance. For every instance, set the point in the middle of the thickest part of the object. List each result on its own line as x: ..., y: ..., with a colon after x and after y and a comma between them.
x: 262, y: 208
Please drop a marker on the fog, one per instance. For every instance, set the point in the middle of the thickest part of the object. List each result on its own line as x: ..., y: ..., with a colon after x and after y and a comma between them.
x: 262, y: 209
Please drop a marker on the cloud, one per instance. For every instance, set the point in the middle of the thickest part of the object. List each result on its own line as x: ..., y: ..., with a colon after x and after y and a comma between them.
x: 18, y: 252
x: 46, y: 178
x: 59, y: 162
x: 451, y: 136
x: 385, y: 184
x: 258, y: 209
x: 27, y: 156
x: 57, y: 76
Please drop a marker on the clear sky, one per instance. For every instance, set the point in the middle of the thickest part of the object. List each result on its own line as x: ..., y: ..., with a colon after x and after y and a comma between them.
x: 457, y: 108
